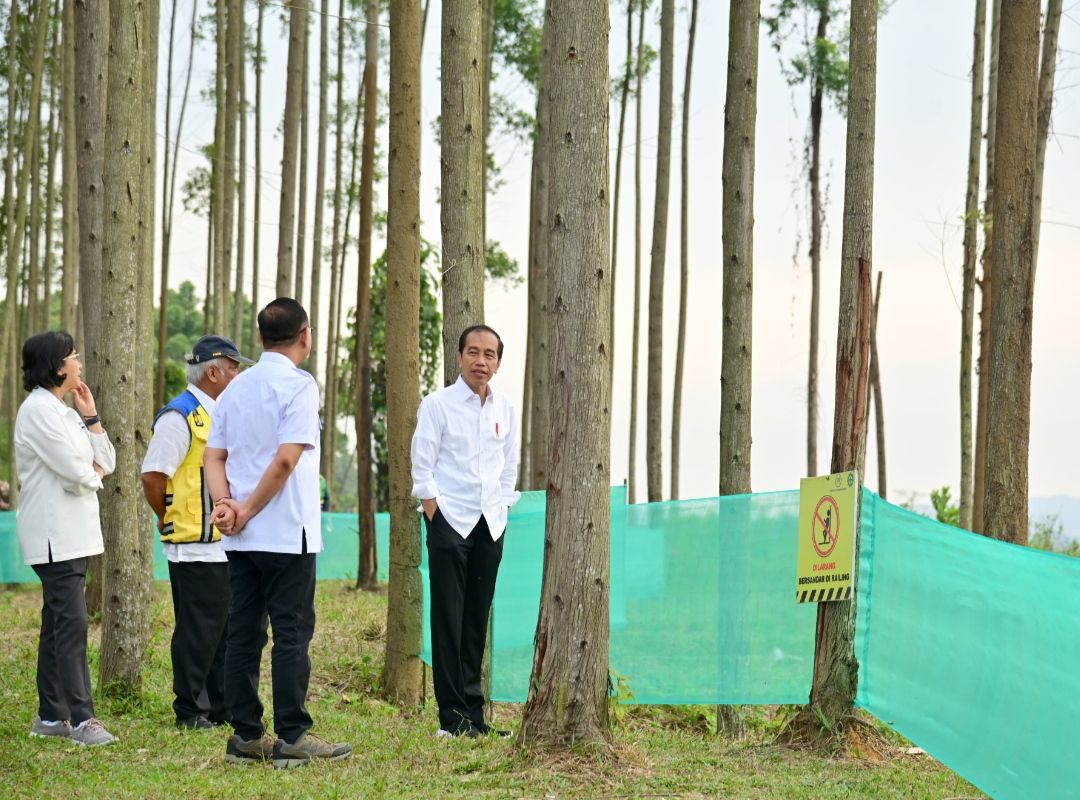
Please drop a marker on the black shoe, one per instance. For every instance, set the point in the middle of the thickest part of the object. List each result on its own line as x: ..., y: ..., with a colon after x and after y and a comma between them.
x: 199, y: 723
x: 486, y: 730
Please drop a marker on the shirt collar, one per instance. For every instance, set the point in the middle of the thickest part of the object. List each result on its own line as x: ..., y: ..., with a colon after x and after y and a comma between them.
x: 205, y: 400
x: 463, y: 392
x: 279, y: 358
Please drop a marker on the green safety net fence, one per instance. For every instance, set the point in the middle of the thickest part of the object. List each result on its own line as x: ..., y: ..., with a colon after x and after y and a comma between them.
x: 968, y: 646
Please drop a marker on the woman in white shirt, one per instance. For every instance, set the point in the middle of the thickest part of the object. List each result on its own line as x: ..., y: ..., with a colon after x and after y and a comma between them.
x: 61, y: 455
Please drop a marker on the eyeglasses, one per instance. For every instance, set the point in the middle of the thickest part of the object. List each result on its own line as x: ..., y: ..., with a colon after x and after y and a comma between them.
x: 75, y: 356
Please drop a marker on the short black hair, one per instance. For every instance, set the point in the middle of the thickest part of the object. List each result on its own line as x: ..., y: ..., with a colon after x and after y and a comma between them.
x: 478, y: 329
x: 281, y: 322
x: 43, y: 357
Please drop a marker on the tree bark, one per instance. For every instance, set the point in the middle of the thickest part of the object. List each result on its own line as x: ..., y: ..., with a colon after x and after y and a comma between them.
x: 256, y: 199
x: 986, y: 283
x: 620, y: 138
x: 55, y: 111
x: 69, y: 281
x: 290, y: 124
x: 684, y: 249
x: 1009, y: 381
x: 817, y: 214
x: 125, y: 608
x: 215, y: 300
x: 879, y: 402
x: 462, y: 163
x: 1047, y: 68
x: 227, y: 159
x: 539, y: 311
x: 654, y: 416
x: 639, y: 73
x: 401, y: 672
x: 737, y: 242
x: 240, y: 67
x: 835, y: 668
x: 368, y: 561
x: 320, y: 184
x: 568, y: 705
x: 301, y: 202
x: 967, y: 317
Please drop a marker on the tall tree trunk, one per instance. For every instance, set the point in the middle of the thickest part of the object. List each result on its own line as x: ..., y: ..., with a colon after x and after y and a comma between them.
x: 33, y: 278
x: 163, y: 302
x: 539, y: 310
x: 55, y: 75
x: 227, y: 159
x: 737, y: 242
x: 320, y: 184
x: 462, y: 161
x: 30, y: 145
x: 368, y: 561
x: 12, y: 268
x: 971, y: 221
x: 329, y: 430
x: 986, y: 283
x: 401, y: 672
x: 568, y: 704
x: 301, y: 202
x: 639, y: 73
x: 256, y: 200
x: 835, y: 668
x: 70, y: 222
x: 216, y: 303
x: 1047, y: 68
x: 879, y: 402
x: 684, y: 249
x: 654, y: 402
x: 291, y: 120
x: 817, y: 214
x: 620, y: 138
x: 240, y: 67
x: 1005, y: 501
x: 125, y: 609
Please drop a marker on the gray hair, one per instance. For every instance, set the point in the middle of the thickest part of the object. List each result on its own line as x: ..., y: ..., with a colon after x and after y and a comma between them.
x: 195, y: 372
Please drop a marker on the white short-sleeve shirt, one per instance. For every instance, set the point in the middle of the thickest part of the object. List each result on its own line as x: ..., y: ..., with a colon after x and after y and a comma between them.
x: 268, y: 405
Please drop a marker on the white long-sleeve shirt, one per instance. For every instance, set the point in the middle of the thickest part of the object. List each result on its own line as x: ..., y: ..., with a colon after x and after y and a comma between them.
x: 55, y: 456
x: 465, y: 455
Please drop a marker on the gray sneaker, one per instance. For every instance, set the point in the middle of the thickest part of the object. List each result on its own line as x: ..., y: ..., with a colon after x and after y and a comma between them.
x: 307, y: 748
x: 249, y: 751
x: 45, y: 727
x: 91, y: 732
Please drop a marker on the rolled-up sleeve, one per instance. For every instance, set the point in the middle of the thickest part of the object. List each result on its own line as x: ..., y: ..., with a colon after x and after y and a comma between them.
x: 425, y: 451
x: 512, y: 454
x: 46, y: 436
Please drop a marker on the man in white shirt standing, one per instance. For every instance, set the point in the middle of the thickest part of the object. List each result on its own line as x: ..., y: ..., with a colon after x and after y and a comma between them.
x: 172, y: 480
x: 464, y: 469
x: 262, y: 467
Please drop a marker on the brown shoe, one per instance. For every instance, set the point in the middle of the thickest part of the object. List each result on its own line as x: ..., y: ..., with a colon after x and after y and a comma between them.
x: 250, y: 751
x: 307, y: 748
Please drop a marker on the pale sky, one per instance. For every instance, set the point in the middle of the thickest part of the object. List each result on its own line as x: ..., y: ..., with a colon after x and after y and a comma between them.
x: 923, y: 100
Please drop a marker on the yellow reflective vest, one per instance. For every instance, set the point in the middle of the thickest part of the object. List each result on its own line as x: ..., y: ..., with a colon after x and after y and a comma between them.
x: 187, y: 499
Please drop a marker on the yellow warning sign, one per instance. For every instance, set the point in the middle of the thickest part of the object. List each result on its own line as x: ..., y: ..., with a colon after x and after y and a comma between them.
x: 826, y: 565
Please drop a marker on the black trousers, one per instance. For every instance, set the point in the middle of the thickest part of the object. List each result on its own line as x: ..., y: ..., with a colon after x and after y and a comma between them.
x: 462, y: 573
x: 63, y: 674
x: 200, y: 594
x: 279, y: 588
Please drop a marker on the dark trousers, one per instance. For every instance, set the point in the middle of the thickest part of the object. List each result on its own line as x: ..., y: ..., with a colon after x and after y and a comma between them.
x: 462, y: 573
x: 200, y: 594
x: 63, y: 674
x: 279, y: 588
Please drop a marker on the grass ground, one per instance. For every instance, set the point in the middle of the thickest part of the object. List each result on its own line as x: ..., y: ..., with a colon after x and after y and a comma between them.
x: 659, y: 752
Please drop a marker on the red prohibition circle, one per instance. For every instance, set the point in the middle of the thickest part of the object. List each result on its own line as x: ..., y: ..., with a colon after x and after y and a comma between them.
x: 819, y: 532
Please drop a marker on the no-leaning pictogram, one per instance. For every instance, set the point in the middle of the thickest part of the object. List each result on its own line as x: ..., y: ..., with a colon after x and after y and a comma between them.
x: 825, y: 528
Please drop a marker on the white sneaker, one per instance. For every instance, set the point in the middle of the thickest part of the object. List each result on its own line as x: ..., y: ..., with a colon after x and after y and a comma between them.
x: 91, y: 732
x: 48, y: 727
x: 443, y: 734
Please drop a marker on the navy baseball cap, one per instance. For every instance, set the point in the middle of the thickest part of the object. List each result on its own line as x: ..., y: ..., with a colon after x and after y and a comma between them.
x: 210, y: 347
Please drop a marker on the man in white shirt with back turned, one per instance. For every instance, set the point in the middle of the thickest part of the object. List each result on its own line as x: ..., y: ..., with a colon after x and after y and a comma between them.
x: 262, y: 468
x: 464, y: 469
